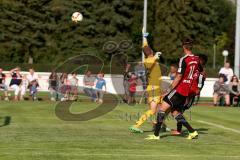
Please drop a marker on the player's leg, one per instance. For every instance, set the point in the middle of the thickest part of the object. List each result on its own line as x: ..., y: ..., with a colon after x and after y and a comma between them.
x: 180, y: 118
x: 181, y: 121
x: 161, y: 115
x: 136, y: 128
x: 188, y: 104
x: 169, y: 101
x: 178, y: 131
x: 153, y: 100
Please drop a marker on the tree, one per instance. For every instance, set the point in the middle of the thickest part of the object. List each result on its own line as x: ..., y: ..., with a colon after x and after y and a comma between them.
x: 42, y: 31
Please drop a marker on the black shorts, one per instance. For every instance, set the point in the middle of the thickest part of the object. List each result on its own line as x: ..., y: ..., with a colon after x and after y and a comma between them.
x: 175, y: 100
x: 189, y: 102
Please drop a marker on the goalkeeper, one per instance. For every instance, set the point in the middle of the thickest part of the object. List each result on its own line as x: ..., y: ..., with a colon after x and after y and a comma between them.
x: 154, y: 78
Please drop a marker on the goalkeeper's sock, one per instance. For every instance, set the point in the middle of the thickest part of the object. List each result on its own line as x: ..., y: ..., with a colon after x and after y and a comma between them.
x: 179, y: 126
x: 183, y: 121
x: 143, y: 118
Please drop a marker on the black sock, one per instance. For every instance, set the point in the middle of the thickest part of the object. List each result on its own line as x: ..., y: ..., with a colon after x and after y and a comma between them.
x: 179, y: 126
x: 183, y: 121
x: 160, y: 119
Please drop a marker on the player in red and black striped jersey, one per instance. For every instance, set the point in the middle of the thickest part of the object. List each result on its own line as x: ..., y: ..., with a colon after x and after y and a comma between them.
x: 198, y: 83
x: 180, y: 89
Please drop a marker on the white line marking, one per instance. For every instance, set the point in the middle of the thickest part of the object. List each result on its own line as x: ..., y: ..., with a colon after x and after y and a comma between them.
x: 219, y: 126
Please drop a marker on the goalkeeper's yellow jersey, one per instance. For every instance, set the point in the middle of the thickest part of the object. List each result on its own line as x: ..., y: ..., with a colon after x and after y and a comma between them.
x: 154, y: 71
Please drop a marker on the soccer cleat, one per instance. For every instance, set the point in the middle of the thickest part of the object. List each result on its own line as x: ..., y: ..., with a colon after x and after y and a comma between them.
x: 134, y: 129
x: 152, y: 137
x: 175, y: 133
x: 193, y: 135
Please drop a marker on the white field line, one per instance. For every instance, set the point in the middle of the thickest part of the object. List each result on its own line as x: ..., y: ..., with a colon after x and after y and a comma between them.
x: 219, y: 126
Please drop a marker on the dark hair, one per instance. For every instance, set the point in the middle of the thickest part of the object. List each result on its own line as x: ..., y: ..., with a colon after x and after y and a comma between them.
x: 101, y: 73
x: 234, y: 76
x: 203, y: 59
x: 63, y: 76
x: 187, y: 43
x: 223, y: 76
x: 147, y: 51
x: 88, y: 71
x: 74, y: 73
x: 175, y: 65
x: 53, y: 75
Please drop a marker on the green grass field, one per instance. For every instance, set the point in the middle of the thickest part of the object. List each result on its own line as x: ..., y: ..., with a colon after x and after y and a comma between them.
x: 36, y: 133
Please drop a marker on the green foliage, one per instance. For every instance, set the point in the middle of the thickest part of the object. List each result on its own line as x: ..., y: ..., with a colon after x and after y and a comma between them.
x: 201, y: 20
x: 43, y: 30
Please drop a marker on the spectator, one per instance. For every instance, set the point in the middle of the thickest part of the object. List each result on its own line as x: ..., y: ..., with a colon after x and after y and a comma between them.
x: 32, y: 78
x: 173, y: 71
x: 126, y: 77
x: 227, y: 72
x: 64, y: 87
x: 16, y: 82
x: 3, y: 85
x: 88, y: 82
x: 53, y: 86
x: 234, y: 88
x: 99, y: 86
x: 132, y: 88
x: 74, y: 86
x: 221, y: 90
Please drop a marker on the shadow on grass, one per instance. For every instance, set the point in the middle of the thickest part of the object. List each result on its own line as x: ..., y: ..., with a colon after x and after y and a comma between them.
x: 185, y: 133
x: 6, y: 121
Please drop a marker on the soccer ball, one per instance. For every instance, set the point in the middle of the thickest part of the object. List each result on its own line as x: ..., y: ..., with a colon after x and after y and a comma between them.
x: 77, y: 17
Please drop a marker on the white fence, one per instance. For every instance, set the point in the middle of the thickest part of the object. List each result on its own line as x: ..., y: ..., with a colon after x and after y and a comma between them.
x: 118, y: 83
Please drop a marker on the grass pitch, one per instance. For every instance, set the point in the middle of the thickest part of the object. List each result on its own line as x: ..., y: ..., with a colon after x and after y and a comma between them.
x: 35, y: 133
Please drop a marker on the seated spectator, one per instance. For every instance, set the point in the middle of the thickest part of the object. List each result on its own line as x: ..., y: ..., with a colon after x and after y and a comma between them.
x: 74, y: 86
x: 88, y: 82
x: 3, y: 85
x: 221, y: 90
x: 234, y: 88
x: 132, y: 88
x: 227, y: 72
x: 32, y: 78
x: 99, y: 86
x: 173, y: 71
x: 64, y: 87
x: 16, y: 82
x: 53, y: 86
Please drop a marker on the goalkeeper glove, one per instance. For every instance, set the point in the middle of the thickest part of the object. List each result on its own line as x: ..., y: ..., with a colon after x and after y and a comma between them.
x: 157, y: 55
